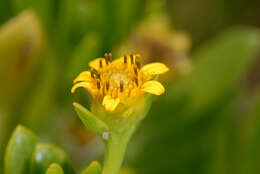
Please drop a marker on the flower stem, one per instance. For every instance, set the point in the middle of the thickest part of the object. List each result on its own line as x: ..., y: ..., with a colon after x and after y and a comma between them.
x: 115, y: 150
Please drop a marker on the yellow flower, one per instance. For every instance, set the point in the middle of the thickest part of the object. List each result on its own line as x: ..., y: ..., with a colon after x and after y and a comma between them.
x: 120, y: 82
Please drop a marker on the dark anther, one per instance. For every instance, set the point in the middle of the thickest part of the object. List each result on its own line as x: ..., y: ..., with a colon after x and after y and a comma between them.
x: 92, y: 73
x: 132, y: 58
x: 100, y: 64
x: 98, y: 84
x: 125, y: 59
x: 136, y: 81
x: 121, y: 86
x: 110, y: 57
x: 98, y: 76
x: 138, y: 64
x: 107, y: 85
x: 135, y: 70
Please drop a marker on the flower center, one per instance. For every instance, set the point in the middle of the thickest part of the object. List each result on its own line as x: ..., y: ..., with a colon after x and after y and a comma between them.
x: 119, y: 77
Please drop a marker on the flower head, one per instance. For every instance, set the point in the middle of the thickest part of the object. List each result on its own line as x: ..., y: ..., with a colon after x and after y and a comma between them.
x: 120, y: 82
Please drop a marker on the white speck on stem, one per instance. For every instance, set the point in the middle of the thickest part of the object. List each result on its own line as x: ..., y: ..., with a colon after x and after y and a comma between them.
x: 105, y: 135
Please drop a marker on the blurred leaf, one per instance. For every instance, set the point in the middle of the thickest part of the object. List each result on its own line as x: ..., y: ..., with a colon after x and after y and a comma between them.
x: 5, y: 11
x: 44, y: 155
x: 129, y: 11
x: 21, y: 44
x: 127, y: 171
x: 43, y: 8
x: 40, y: 99
x: 92, y: 122
x: 64, y: 23
x: 194, y: 104
x: 219, y: 66
x: 54, y: 169
x: 19, y: 150
x: 87, y: 50
x: 93, y: 168
x: 218, y: 69
x: 114, y: 27
x: 250, y: 136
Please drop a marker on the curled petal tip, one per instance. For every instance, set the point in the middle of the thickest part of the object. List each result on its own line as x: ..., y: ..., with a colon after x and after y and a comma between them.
x: 153, y: 87
x: 155, y: 68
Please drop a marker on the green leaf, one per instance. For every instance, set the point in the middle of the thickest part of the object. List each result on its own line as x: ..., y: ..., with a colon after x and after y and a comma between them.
x: 193, y: 107
x: 250, y: 134
x: 54, y: 169
x: 19, y: 150
x: 44, y: 155
x: 5, y: 11
x: 42, y: 7
x: 21, y: 46
x: 93, y: 168
x: 92, y: 122
x: 220, y: 65
x: 67, y: 10
x: 129, y: 12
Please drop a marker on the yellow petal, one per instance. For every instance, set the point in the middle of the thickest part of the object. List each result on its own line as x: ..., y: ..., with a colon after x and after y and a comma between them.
x: 85, y: 85
x: 95, y: 64
x: 119, y: 60
x: 155, y: 68
x: 110, y: 103
x: 153, y: 87
x: 84, y: 76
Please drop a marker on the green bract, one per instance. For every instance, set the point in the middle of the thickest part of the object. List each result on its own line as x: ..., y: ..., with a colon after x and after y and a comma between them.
x: 93, y: 168
x: 116, y: 129
x: 55, y: 169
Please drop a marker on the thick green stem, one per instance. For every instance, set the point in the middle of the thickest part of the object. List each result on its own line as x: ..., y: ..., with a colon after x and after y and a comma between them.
x: 115, y: 150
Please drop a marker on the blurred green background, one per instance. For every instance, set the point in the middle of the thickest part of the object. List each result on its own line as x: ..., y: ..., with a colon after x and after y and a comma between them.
x: 207, y: 122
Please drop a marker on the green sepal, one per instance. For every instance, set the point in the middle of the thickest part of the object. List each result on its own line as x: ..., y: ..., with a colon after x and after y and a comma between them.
x: 93, y: 168
x: 19, y: 150
x: 55, y: 169
x: 92, y: 122
x: 44, y: 155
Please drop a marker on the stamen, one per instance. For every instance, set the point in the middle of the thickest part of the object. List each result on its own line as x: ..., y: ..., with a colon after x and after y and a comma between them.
x: 135, y: 70
x: 121, y: 86
x: 98, y: 84
x: 107, y: 85
x: 137, y: 58
x: 136, y: 81
x: 125, y: 59
x: 92, y: 73
x: 100, y: 64
x: 98, y: 76
x: 106, y: 58
x: 132, y: 58
x: 138, y: 64
x: 110, y: 57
